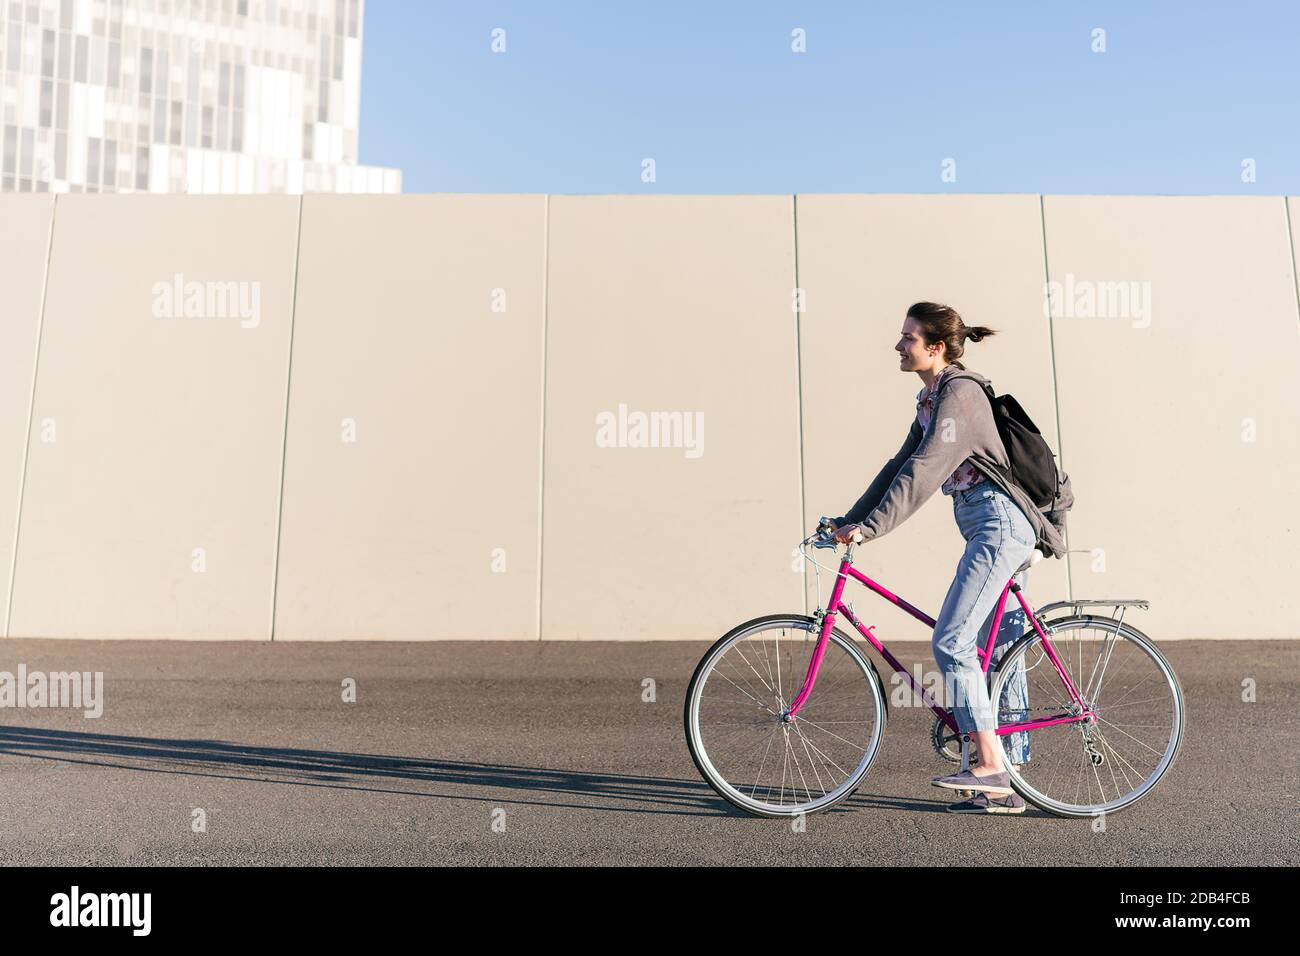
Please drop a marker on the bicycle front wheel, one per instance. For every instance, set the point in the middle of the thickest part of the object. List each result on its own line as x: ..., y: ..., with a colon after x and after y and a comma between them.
x: 733, y: 715
x: 1087, y: 768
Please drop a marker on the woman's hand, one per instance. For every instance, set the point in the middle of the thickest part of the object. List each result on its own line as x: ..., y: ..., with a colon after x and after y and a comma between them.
x: 842, y: 535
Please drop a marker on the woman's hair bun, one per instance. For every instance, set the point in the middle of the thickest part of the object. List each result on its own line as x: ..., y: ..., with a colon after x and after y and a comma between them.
x: 942, y: 323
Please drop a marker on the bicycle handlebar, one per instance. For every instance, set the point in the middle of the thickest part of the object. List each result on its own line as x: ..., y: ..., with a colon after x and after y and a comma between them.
x: 825, y: 536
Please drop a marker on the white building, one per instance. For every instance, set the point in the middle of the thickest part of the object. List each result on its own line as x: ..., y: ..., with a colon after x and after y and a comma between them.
x: 199, y: 96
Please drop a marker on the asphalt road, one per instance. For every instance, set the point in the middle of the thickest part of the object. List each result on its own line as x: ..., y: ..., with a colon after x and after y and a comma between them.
x: 526, y: 753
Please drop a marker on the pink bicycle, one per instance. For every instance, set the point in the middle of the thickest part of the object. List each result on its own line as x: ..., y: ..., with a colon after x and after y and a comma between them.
x: 785, y: 714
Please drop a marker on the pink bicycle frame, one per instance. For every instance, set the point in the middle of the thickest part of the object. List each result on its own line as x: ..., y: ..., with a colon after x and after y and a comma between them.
x: 836, y: 605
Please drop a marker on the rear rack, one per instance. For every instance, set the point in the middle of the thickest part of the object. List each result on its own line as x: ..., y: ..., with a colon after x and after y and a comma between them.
x: 1141, y: 603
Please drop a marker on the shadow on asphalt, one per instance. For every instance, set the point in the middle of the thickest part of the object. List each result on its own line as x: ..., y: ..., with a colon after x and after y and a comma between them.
x: 324, y: 768
x: 625, y: 793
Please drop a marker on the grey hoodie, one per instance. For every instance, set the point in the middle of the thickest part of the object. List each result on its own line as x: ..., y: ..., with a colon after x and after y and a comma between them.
x: 926, y: 460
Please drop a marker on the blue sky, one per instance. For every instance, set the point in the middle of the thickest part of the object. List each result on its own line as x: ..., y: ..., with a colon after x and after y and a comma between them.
x: 1011, y: 91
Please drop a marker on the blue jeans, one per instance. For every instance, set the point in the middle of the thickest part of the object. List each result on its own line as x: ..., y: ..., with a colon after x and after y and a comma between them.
x: 998, y: 540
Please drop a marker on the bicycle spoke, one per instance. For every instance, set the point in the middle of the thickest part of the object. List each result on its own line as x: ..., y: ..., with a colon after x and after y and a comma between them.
x: 1128, y: 735
x: 812, y: 764
x: 1110, y: 707
x: 1065, y: 750
x: 767, y: 661
x: 721, y: 744
x: 1127, y: 692
x: 821, y: 753
x: 752, y: 668
x: 1120, y: 757
x: 764, y: 760
x: 795, y: 755
x: 803, y: 720
x: 746, y: 693
x: 739, y: 673
x: 1120, y: 760
x: 785, y: 758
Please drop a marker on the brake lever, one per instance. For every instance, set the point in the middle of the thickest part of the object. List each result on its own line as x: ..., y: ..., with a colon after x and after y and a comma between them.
x: 825, y: 538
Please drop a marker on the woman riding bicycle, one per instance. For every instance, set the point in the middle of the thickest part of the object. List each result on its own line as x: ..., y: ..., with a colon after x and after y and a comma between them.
x: 953, y: 437
x: 784, y: 715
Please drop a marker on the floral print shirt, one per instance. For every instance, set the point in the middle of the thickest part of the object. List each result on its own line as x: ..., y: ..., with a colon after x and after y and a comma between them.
x: 966, y: 475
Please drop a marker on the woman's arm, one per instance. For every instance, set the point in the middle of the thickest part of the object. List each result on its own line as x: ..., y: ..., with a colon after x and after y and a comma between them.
x: 936, y: 457
x: 876, y: 490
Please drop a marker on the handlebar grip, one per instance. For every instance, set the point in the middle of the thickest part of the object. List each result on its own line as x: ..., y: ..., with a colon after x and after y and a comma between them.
x: 826, y: 528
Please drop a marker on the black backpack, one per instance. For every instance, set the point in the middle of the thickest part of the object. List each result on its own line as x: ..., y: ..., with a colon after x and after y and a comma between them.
x: 1033, y: 464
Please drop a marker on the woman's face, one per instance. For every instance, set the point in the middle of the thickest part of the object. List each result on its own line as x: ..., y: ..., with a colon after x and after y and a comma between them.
x: 913, y: 354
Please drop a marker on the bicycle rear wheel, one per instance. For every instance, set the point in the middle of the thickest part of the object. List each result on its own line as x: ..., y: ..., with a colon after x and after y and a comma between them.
x: 745, y: 750
x: 1088, y: 768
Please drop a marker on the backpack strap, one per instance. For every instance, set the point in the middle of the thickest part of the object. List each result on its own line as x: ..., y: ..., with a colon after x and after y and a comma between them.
x: 988, y: 389
x: 988, y: 392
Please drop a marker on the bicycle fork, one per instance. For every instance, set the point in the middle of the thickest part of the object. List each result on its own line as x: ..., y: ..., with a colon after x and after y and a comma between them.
x: 828, y: 622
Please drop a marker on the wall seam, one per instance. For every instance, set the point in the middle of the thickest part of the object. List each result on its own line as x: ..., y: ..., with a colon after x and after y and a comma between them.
x: 541, y: 437
x: 1056, y: 392
x: 1290, y: 240
x: 31, y: 412
x: 284, y: 434
x: 798, y: 369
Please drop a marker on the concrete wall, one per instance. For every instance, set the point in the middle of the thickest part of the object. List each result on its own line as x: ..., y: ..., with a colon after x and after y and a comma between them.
x: 677, y: 305
x: 413, y: 457
x: 149, y: 507
x: 429, y: 426
x: 1181, y: 419
x: 26, y: 223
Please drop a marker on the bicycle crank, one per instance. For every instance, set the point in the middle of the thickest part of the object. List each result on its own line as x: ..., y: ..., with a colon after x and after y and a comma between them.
x: 946, y: 743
